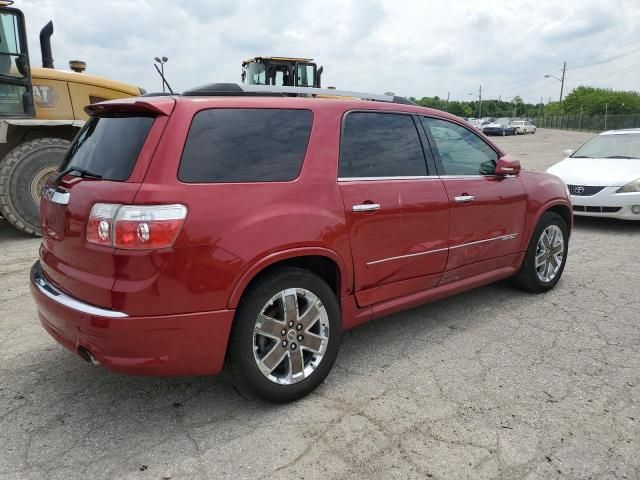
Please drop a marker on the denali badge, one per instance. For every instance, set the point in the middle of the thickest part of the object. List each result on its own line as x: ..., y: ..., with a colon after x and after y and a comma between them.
x: 56, y: 195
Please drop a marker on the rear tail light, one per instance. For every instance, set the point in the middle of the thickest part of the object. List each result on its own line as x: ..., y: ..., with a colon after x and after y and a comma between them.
x: 135, y: 226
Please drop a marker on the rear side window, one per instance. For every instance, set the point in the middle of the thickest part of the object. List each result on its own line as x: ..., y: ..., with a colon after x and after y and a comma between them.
x: 245, y: 145
x: 380, y: 145
x: 109, y: 146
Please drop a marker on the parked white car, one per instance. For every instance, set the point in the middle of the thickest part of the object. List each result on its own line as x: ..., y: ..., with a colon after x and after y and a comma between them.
x: 523, y: 127
x: 603, y: 175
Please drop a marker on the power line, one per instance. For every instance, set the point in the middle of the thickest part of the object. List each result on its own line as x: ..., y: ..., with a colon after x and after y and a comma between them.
x: 623, y: 71
x: 605, y: 61
x: 606, y: 52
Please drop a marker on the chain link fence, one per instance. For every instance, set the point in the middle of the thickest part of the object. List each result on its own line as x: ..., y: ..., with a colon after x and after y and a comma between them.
x: 587, y: 123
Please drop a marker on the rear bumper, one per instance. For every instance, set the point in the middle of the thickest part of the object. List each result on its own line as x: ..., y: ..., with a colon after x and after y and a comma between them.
x: 186, y: 344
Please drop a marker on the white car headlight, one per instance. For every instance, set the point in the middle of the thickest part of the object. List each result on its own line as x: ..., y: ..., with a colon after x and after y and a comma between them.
x: 630, y: 187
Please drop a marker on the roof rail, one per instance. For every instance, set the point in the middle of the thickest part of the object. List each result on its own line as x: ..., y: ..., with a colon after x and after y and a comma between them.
x: 233, y: 89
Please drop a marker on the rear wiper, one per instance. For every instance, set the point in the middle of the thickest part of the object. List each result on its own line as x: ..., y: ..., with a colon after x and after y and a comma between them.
x: 83, y: 174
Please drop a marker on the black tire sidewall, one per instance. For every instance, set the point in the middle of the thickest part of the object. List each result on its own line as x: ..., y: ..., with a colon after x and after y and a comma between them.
x: 30, y: 158
x: 548, y: 219
x: 241, y: 357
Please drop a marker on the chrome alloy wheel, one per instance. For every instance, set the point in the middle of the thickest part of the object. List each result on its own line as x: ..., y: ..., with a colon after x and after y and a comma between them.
x: 549, y: 253
x: 290, y: 336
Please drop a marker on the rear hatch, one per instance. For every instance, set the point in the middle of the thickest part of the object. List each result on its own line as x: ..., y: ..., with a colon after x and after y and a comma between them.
x: 111, y: 154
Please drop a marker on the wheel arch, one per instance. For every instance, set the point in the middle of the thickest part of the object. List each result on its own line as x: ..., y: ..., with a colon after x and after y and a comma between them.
x: 325, y: 263
x: 17, y: 134
x: 564, y: 212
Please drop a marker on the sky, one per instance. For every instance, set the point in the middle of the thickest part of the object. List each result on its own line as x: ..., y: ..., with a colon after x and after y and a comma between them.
x: 413, y: 48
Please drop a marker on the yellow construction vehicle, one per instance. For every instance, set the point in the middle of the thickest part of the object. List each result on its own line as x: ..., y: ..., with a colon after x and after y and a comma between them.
x: 41, y: 110
x: 281, y: 72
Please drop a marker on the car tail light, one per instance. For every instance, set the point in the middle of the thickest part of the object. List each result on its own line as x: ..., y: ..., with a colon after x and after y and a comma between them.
x: 135, y: 226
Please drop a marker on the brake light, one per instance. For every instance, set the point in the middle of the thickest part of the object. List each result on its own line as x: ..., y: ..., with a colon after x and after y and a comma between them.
x: 135, y: 226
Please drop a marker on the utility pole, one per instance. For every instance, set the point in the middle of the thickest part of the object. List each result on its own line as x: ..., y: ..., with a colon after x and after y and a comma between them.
x: 541, y: 104
x: 480, y: 102
x: 448, y: 95
x: 606, y: 111
x: 564, y: 69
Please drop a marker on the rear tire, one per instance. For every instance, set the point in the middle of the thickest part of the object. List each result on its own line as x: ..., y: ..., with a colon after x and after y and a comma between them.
x: 23, y: 172
x: 542, y: 268
x: 267, y: 339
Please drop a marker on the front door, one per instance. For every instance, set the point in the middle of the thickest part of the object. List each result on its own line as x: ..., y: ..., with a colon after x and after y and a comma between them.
x: 397, y: 215
x: 487, y: 211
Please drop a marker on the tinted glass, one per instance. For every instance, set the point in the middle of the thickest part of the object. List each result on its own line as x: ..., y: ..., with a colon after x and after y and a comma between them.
x: 245, y: 145
x: 461, y: 151
x: 380, y: 145
x: 109, y: 147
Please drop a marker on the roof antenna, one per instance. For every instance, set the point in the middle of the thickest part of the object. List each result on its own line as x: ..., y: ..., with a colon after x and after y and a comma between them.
x: 162, y: 61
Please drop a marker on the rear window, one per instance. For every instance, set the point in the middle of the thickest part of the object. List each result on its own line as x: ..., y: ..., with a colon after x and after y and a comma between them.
x: 109, y: 146
x: 380, y: 145
x: 245, y: 145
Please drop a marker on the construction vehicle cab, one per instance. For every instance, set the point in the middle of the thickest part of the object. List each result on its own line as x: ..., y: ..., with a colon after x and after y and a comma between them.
x: 281, y: 71
x: 41, y: 111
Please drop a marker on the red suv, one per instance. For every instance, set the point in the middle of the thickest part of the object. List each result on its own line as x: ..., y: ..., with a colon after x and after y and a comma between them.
x: 256, y: 228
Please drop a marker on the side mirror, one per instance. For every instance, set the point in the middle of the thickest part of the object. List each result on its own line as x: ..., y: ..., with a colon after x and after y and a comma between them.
x: 567, y: 152
x: 507, y: 166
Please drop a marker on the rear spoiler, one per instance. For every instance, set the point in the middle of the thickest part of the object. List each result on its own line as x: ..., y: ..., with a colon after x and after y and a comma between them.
x: 156, y: 106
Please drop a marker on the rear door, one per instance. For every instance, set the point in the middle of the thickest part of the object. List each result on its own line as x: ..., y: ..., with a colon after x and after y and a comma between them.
x: 397, y: 214
x: 487, y: 211
x: 116, y: 148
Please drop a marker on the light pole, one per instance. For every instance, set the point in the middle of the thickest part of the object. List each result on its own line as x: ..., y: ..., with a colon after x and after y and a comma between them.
x: 162, y: 61
x: 561, y: 80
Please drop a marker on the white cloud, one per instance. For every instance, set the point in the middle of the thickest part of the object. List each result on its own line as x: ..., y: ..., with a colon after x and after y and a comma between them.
x: 410, y: 47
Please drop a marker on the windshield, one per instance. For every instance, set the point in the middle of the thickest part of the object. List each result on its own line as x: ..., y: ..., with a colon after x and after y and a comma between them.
x: 625, y: 145
x: 256, y: 74
x: 109, y: 147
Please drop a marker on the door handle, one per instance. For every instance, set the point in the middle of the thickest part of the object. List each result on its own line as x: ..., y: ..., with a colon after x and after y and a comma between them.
x: 366, y: 207
x: 464, y: 198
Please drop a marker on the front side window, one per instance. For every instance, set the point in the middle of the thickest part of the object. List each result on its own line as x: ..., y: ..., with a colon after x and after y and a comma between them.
x: 380, y: 145
x: 461, y: 151
x: 245, y: 145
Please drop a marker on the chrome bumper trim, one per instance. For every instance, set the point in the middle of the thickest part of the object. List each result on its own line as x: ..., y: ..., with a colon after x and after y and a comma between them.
x: 42, y: 284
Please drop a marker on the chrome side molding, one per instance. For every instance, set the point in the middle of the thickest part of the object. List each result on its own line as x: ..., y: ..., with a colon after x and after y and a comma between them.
x: 510, y: 236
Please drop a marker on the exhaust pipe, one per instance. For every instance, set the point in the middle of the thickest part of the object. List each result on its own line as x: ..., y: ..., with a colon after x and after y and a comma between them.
x: 88, y: 356
x: 45, y: 45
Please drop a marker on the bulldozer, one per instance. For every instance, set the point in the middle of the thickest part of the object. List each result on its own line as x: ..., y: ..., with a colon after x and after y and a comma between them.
x: 282, y: 72
x: 41, y: 111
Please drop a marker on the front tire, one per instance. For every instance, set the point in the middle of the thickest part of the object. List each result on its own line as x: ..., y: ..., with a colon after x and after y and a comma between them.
x: 285, y: 337
x: 23, y: 173
x: 546, y: 255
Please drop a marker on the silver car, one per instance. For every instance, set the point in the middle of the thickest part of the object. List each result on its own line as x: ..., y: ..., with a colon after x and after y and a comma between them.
x: 522, y: 127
